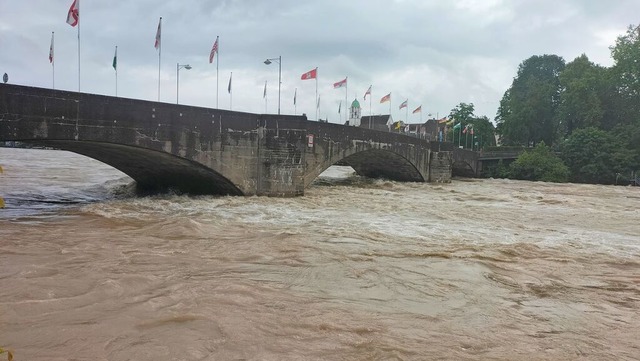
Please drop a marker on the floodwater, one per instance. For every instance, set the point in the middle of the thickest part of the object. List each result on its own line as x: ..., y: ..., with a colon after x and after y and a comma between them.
x: 356, y: 269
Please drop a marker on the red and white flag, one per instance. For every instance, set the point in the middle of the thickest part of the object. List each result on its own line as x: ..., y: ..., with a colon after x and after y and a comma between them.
x: 404, y: 104
x: 386, y: 98
x: 417, y: 110
x: 311, y: 74
x: 73, y: 17
x: 158, y: 34
x: 51, y: 50
x: 340, y: 84
x: 214, y: 51
x: 368, y: 92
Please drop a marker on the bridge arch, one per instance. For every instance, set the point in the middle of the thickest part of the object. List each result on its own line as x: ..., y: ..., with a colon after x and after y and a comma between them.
x: 375, y: 163
x: 154, y: 171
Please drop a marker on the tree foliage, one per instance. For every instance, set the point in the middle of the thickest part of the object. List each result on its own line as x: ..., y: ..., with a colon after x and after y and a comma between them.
x: 539, y: 164
x: 588, y: 112
x: 527, y: 113
x: 626, y: 73
x: 595, y: 156
x: 483, y: 129
x: 580, y: 101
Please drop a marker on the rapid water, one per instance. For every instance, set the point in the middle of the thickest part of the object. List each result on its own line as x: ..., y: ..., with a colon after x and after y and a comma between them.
x: 356, y: 269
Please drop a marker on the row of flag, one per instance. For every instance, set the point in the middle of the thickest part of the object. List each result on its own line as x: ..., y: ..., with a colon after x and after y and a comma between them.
x: 73, y: 19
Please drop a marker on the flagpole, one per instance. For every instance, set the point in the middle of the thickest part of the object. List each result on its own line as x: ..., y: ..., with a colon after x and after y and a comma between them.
x: 265, y: 97
x: 116, y: 66
x: 406, y: 112
x: 346, y: 101
x: 53, y: 63
x: 78, y: 46
x: 317, y: 105
x: 370, y: 111
x: 217, y: 77
x: 159, y: 55
x: 230, y: 92
x: 295, y: 105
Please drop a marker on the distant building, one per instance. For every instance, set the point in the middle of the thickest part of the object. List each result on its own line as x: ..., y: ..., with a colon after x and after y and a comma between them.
x: 377, y: 122
x: 355, y: 112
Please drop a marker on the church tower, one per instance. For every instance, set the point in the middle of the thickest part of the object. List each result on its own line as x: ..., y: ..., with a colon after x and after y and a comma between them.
x: 355, y: 113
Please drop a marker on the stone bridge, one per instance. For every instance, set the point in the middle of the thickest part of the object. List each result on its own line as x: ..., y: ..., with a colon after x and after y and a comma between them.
x: 211, y: 151
x: 469, y: 163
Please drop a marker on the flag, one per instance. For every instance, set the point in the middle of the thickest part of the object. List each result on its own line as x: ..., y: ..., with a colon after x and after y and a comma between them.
x: 471, y: 128
x: 318, y: 102
x: 417, y: 110
x: 386, y: 98
x: 73, y: 17
x: 229, y: 87
x: 311, y: 74
x: 368, y: 92
x: 214, y: 50
x: 295, y: 95
x: 264, y: 95
x: 340, y: 84
x: 464, y: 131
x: 115, y: 60
x: 456, y: 127
x: 51, y: 50
x: 404, y: 104
x: 443, y: 120
x: 340, y: 107
x: 158, y: 34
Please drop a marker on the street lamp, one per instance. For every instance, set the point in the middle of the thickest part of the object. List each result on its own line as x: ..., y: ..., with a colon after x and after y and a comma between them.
x: 178, y: 67
x: 279, y: 60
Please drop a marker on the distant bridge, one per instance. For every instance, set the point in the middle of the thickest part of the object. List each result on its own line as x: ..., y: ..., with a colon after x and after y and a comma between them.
x: 469, y: 163
x: 211, y: 151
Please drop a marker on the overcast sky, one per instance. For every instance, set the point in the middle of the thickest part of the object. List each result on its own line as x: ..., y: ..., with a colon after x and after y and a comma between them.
x: 435, y: 53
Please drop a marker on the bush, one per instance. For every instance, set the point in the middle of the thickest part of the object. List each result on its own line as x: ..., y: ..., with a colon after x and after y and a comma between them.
x: 539, y: 164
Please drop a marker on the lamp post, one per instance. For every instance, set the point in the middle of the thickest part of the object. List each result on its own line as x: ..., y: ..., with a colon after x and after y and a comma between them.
x: 279, y: 60
x: 178, y: 67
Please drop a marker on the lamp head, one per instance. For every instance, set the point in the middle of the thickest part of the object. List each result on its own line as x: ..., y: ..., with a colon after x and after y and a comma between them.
x: 188, y: 67
x: 267, y: 61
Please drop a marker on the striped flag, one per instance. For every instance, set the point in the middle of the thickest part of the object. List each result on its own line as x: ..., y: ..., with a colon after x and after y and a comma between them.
x: 229, y: 87
x: 340, y: 84
x: 264, y: 95
x: 368, y: 92
x: 295, y: 95
x: 158, y: 34
x: 404, y: 104
x: 214, y: 50
x: 417, y: 110
x: 386, y: 98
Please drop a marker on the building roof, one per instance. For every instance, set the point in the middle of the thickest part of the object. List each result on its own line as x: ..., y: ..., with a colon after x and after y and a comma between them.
x: 355, y: 104
x: 375, y: 120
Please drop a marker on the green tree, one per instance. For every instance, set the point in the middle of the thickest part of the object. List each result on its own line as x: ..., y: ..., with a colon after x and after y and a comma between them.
x: 539, y: 164
x: 483, y: 129
x: 595, y: 156
x: 626, y: 76
x: 527, y: 113
x: 462, y: 114
x: 483, y: 132
x: 580, y: 101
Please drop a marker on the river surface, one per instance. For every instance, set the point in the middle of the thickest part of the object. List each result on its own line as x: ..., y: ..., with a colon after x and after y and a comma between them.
x: 356, y: 269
